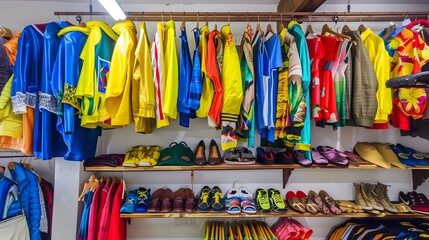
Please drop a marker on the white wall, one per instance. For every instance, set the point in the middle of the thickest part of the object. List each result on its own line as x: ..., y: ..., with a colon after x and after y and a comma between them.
x: 17, y: 14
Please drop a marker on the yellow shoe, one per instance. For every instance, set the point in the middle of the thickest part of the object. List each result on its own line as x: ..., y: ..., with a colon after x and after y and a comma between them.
x: 151, y: 156
x: 134, y: 155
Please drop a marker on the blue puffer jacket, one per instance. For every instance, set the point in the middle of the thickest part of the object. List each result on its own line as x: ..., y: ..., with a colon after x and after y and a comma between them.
x: 28, y: 188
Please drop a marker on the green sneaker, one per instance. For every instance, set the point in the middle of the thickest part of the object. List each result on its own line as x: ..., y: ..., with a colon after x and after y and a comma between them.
x: 276, y: 201
x: 262, y: 200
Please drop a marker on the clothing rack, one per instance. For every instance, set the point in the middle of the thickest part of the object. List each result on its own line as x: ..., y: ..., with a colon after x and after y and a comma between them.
x: 263, y: 16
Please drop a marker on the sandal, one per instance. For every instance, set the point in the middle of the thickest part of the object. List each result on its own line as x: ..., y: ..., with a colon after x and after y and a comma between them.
x: 318, y: 201
x: 330, y: 202
x: 276, y: 201
x: 308, y: 203
x: 232, y: 201
x: 334, y: 156
x: 294, y: 203
x: 247, y: 202
x: 318, y: 158
x: 301, y: 159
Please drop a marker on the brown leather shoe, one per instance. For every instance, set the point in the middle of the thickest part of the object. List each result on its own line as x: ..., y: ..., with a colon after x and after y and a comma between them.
x: 200, y: 154
x: 214, y: 154
x: 155, y: 201
x: 167, y: 200
x: 190, y: 205
x: 179, y: 200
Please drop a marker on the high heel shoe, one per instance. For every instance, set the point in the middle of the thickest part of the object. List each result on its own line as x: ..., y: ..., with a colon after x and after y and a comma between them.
x: 214, y: 154
x: 200, y: 154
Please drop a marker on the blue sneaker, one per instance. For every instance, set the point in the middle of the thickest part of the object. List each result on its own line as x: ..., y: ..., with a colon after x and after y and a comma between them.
x: 403, y: 157
x: 142, y: 200
x: 413, y: 155
x: 130, y: 203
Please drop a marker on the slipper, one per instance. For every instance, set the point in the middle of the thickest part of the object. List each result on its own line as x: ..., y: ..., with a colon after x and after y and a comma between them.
x: 320, y: 204
x: 330, y: 202
x: 302, y: 160
x: 232, y: 156
x: 308, y: 203
x: 356, y: 159
x: 265, y: 157
x: 333, y: 155
x: 388, y: 155
x: 247, y: 156
x: 247, y: 202
x: 284, y: 157
x: 370, y: 153
x: 402, y: 157
x: 232, y: 201
x: 413, y: 155
x: 317, y: 158
x: 294, y: 203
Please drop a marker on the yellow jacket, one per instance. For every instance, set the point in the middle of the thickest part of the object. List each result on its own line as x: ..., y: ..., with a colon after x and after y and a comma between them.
x: 96, y: 56
x: 231, y: 78
x: 118, y: 90
x: 208, y: 89
x: 172, y: 72
x: 10, y: 123
x: 381, y: 62
x: 143, y: 88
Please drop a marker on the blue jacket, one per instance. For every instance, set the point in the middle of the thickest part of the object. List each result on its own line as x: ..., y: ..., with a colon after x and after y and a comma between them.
x: 51, y: 144
x: 5, y: 185
x: 81, y: 142
x: 185, y: 68
x: 29, y: 193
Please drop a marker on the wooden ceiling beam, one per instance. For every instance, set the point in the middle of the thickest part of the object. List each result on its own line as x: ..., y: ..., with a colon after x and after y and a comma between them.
x: 299, y: 5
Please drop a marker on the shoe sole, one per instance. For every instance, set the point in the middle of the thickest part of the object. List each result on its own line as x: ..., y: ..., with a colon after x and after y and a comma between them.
x: 416, y: 211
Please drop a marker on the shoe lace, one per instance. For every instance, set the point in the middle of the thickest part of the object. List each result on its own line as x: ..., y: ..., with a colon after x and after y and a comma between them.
x: 277, y: 198
x: 142, y: 196
x: 263, y: 198
x: 204, y: 197
x: 217, y: 196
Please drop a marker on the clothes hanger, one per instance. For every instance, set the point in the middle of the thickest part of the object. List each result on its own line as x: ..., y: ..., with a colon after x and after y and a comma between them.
x: 309, y: 28
x: 207, y: 19
x: 259, y: 28
x: 345, y: 29
x: 198, y: 20
x: 2, y: 169
x: 215, y: 26
x: 327, y: 29
x: 281, y: 26
x: 5, y: 32
x: 11, y: 165
x: 183, y: 24
x: 92, y: 184
x: 389, y: 30
x: 420, y: 21
x: 361, y: 28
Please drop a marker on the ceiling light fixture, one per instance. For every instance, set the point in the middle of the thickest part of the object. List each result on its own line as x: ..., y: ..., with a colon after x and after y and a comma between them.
x: 113, y: 8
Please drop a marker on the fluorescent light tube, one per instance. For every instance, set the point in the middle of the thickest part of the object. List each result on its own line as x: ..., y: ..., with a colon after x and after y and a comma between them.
x: 113, y: 8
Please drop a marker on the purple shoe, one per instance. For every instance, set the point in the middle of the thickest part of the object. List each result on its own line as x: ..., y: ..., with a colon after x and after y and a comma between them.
x: 334, y: 156
x: 301, y: 159
x: 317, y: 158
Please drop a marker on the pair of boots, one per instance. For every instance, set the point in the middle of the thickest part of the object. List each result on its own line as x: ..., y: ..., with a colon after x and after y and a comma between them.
x: 373, y: 197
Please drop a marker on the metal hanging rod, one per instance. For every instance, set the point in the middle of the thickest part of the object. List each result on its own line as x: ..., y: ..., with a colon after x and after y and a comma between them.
x: 263, y: 16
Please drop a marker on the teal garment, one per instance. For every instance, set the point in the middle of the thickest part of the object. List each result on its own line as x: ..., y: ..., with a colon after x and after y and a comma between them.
x: 301, y: 43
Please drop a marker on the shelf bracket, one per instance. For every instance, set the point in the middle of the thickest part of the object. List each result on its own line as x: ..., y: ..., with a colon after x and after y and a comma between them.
x: 286, y: 176
x: 419, y: 177
x: 192, y: 179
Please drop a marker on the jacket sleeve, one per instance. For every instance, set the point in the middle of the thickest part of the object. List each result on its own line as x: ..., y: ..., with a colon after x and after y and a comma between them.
x: 384, y: 94
x: 172, y: 77
x: 22, y: 67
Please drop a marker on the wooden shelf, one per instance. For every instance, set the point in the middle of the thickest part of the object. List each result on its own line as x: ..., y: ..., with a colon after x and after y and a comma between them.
x: 290, y: 213
x: 235, y: 167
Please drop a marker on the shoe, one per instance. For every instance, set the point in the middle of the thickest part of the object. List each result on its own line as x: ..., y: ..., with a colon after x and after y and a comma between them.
x: 143, y: 196
x: 330, y: 202
x: 380, y: 192
x: 284, y: 157
x: 416, y: 157
x: 232, y: 201
x: 265, y: 157
x: 179, y: 200
x: 214, y: 154
x: 190, y: 205
x: 360, y: 197
x: 167, y: 201
x: 307, y: 202
x: 151, y: 156
x: 402, y: 157
x: 277, y: 202
x: 217, y: 203
x: 247, y: 203
x: 302, y: 160
x: 130, y: 203
x: 232, y: 156
x: 262, y: 200
x: 319, y: 202
x: 368, y: 188
x: 204, y: 200
x: 334, y: 156
x: 388, y: 155
x: 294, y: 203
x: 133, y: 156
x: 318, y: 159
x: 246, y: 156
x: 419, y: 202
x: 370, y: 153
x: 405, y: 198
x: 349, y: 206
x: 155, y: 201
x: 200, y: 154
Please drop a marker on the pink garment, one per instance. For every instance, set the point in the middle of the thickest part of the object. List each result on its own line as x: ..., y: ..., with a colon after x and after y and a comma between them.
x: 105, y: 214
x: 117, y: 226
x: 93, y: 214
